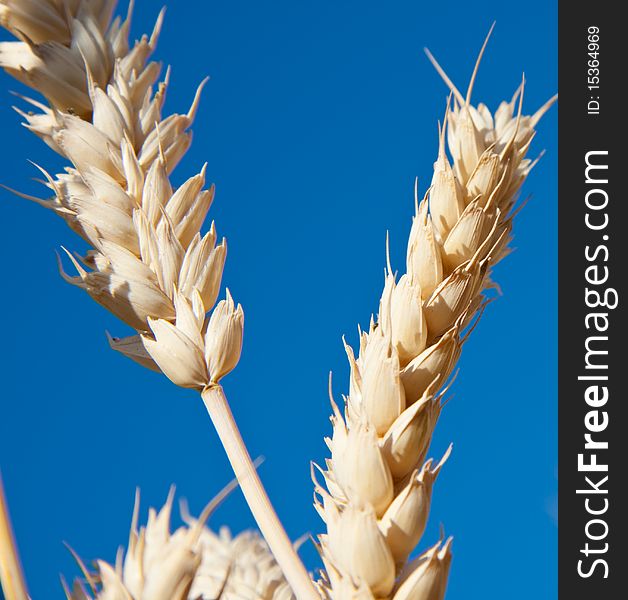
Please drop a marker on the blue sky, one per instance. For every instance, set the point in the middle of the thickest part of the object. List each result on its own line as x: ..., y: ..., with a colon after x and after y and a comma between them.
x: 317, y: 118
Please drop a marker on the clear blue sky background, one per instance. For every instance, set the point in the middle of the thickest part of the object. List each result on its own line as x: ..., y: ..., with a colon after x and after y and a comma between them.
x: 316, y: 120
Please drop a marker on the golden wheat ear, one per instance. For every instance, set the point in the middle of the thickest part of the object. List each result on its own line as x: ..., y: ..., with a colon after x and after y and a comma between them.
x: 378, y: 480
x: 191, y: 562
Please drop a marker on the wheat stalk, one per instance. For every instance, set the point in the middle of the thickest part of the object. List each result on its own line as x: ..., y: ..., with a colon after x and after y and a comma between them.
x: 12, y: 579
x: 148, y: 263
x: 378, y: 484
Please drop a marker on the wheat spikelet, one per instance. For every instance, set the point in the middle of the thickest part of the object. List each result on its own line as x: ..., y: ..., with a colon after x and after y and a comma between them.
x: 191, y: 563
x: 378, y: 483
x: 148, y: 263
x: 237, y: 568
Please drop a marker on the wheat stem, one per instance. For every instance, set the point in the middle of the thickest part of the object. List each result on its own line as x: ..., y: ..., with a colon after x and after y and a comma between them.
x: 11, y: 575
x: 255, y: 494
